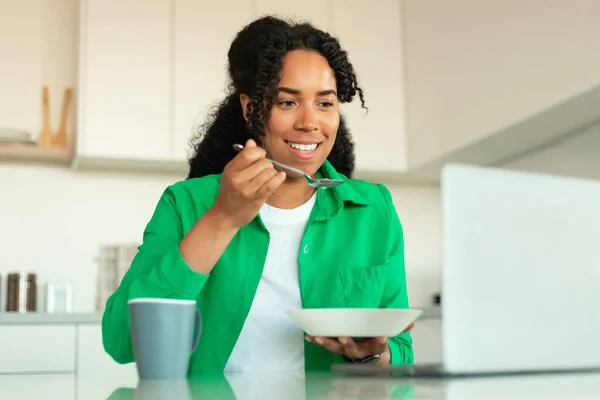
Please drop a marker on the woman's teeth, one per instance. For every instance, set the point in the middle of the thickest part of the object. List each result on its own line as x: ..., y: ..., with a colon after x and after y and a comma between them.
x: 302, y: 147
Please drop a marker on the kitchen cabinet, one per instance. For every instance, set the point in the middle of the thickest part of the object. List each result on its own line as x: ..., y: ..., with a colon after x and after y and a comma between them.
x: 145, y: 91
x: 125, y: 79
x: 203, y: 32
x: 38, y: 41
x: 375, y: 48
x: 37, y: 348
x: 57, y: 343
x: 318, y: 13
x: 41, y: 386
x: 427, y: 340
x: 443, y: 83
x: 92, y: 360
x: 21, y: 39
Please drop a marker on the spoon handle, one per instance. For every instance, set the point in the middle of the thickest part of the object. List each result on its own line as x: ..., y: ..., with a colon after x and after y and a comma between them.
x: 300, y: 174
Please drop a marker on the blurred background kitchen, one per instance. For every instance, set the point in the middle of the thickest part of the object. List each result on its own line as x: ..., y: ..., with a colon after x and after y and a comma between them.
x: 98, y: 100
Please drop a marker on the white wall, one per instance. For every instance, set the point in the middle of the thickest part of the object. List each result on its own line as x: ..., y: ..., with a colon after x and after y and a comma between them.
x: 419, y: 209
x: 577, y: 155
x: 54, y: 220
x: 477, y: 67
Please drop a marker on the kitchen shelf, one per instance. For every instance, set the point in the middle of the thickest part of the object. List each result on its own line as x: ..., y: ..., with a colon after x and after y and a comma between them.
x: 37, y: 318
x: 35, y: 154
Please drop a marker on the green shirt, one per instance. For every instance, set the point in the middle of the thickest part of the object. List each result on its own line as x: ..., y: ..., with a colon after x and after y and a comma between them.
x: 351, y: 255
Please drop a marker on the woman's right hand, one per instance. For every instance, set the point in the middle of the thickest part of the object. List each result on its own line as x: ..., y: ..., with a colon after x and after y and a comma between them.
x: 246, y: 183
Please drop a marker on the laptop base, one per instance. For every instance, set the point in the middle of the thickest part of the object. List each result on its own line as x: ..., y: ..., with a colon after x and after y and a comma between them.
x: 438, y: 371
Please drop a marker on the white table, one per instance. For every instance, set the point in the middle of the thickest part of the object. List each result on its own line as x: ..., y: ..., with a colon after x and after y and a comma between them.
x: 289, y: 386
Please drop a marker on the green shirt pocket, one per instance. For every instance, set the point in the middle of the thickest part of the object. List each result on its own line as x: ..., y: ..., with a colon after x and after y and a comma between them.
x: 363, y: 287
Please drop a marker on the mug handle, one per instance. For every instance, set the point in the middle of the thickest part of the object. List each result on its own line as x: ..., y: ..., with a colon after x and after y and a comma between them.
x: 198, y: 330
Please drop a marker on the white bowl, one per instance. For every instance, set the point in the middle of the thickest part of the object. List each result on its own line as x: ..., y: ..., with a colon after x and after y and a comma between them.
x: 354, y: 322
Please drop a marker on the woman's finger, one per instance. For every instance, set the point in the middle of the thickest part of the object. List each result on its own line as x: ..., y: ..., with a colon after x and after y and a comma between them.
x: 250, y: 154
x: 250, y: 176
x: 351, y: 348
x: 363, y: 349
x: 330, y: 344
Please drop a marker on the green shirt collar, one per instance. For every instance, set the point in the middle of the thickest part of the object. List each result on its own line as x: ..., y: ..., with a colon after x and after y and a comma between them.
x: 331, y: 201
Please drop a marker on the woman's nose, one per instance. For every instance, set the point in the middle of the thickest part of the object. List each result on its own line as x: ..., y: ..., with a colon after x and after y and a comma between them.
x: 306, y: 121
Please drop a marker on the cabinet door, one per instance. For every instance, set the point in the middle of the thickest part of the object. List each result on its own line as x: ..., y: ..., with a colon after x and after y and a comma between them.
x: 37, y: 349
x: 203, y: 34
x: 375, y: 49
x: 21, y: 65
x: 40, y: 386
x: 92, y: 360
x: 125, y: 79
x: 314, y: 11
x: 427, y: 341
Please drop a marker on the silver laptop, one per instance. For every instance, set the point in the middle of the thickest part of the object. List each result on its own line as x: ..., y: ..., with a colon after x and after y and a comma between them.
x: 520, y: 275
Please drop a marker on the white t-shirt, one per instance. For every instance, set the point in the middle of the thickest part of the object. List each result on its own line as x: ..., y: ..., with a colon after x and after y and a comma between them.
x: 269, y: 339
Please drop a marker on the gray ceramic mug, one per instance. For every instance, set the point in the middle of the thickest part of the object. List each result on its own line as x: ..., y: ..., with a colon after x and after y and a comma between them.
x: 164, y: 334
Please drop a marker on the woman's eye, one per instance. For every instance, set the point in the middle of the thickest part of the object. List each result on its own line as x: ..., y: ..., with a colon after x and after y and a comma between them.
x: 326, y: 104
x: 286, y: 103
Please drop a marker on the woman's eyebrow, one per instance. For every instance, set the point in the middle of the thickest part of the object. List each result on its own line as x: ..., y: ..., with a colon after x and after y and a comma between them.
x: 296, y: 91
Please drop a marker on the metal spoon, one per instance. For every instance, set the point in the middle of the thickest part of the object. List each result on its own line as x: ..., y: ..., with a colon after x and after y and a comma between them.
x: 322, y: 183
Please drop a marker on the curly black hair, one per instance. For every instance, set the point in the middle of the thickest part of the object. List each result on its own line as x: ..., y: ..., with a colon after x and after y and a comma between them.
x: 255, y: 59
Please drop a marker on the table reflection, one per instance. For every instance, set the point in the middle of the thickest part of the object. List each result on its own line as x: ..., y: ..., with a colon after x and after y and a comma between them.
x: 269, y: 385
x: 330, y: 386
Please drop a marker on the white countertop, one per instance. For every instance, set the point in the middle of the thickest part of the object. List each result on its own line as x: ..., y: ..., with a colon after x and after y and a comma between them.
x: 96, y: 317
x: 12, y: 318
x: 289, y: 386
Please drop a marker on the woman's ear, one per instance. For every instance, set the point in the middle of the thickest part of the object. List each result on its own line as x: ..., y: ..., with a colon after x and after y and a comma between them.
x: 244, y: 100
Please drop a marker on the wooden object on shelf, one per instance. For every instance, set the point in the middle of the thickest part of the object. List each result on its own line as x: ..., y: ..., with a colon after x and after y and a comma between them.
x: 60, y: 139
x: 45, y: 139
x: 50, y: 149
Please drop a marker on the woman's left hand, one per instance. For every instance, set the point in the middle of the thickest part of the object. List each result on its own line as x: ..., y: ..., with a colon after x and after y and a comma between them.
x: 348, y: 347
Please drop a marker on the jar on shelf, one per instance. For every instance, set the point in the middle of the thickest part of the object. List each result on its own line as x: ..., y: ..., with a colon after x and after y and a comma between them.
x: 21, y: 292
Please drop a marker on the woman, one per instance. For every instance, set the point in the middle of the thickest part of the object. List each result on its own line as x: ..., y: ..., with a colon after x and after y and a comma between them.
x: 247, y: 242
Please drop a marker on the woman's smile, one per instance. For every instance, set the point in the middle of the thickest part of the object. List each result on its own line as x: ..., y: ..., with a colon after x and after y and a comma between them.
x: 303, y: 151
